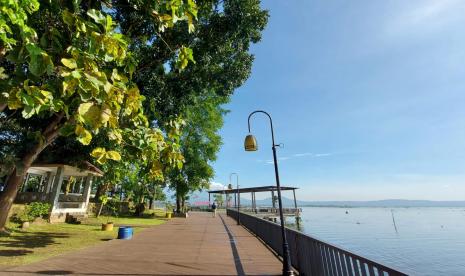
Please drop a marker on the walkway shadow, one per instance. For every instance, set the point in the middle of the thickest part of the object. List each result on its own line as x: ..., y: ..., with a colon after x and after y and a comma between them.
x: 237, y: 258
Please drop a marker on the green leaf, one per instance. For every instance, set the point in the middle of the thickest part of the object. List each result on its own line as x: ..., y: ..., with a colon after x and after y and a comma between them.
x: 68, y: 18
x: 98, y: 152
x: 76, y: 74
x: 101, y: 155
x: 67, y: 129
x: 69, y: 62
x: 105, y: 115
x: 113, y: 155
x: 2, y: 74
x: 27, y: 100
x: 115, y: 135
x: 83, y: 135
x: 97, y: 16
x: 39, y: 61
x: 109, y: 24
x: 28, y: 111
x: 93, y: 115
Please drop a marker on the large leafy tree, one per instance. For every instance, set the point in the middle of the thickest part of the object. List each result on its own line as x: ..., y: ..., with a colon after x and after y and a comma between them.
x: 200, y: 143
x: 221, y: 41
x: 150, y: 48
x: 66, y: 69
x: 221, y: 46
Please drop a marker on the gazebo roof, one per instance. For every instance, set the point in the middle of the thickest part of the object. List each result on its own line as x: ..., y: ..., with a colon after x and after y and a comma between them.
x: 86, y: 168
x: 252, y: 190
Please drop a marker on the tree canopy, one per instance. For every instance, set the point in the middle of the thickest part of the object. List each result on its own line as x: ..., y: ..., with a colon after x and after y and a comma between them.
x: 137, y: 83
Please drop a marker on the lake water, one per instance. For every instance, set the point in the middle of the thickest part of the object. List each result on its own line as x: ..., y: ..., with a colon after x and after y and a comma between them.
x: 428, y: 241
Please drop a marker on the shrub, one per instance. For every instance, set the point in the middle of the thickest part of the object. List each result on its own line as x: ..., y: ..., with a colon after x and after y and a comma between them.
x: 34, y: 210
x: 38, y: 209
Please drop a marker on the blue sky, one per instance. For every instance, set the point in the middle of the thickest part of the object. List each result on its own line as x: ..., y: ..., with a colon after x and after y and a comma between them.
x: 366, y: 96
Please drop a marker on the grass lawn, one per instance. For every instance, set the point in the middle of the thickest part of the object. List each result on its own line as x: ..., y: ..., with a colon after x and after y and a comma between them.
x: 39, y: 242
x: 132, y: 221
x: 151, y: 217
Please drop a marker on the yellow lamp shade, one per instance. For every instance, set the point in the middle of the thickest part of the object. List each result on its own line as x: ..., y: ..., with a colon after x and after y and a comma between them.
x: 250, y: 143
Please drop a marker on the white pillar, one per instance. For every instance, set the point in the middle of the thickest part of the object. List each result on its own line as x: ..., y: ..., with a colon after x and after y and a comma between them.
x: 48, y: 186
x: 23, y: 188
x: 55, y: 193
x: 87, y: 189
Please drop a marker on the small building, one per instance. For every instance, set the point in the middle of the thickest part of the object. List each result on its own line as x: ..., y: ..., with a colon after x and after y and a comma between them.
x: 66, y: 188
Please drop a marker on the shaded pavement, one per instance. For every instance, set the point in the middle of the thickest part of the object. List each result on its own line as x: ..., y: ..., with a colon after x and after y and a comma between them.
x: 198, y: 245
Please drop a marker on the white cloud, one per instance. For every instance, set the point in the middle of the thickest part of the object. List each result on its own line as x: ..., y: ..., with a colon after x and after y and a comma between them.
x: 302, y: 154
x: 424, y: 18
x: 270, y: 161
x: 312, y: 154
x: 322, y: 154
x: 217, y: 186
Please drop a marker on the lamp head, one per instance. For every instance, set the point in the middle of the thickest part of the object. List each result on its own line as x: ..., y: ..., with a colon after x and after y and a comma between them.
x: 230, y: 187
x: 250, y: 143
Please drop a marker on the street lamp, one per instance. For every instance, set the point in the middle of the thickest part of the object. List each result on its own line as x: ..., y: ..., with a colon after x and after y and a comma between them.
x: 250, y: 144
x: 238, y: 195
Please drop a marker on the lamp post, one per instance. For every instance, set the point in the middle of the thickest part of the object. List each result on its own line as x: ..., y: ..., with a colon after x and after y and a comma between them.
x: 250, y: 144
x: 238, y: 196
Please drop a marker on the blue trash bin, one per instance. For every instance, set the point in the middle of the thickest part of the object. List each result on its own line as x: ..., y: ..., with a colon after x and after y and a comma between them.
x: 125, y: 233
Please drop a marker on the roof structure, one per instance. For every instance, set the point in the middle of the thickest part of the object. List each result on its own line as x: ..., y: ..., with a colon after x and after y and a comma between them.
x: 252, y: 190
x: 86, y: 168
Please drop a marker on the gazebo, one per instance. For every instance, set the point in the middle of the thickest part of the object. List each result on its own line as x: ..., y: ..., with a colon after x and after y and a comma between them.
x: 66, y: 188
x: 252, y: 191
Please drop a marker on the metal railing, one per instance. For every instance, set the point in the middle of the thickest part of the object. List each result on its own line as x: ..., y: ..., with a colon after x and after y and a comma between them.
x: 311, y: 256
x: 268, y: 210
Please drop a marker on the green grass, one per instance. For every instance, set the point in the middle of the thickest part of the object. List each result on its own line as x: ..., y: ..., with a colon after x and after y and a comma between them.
x: 40, y: 242
x: 126, y: 220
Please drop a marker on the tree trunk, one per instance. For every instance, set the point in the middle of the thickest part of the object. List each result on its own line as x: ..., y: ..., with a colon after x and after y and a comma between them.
x: 17, y: 176
x: 100, y: 209
x: 178, y: 204
x: 102, y: 189
x: 150, y: 203
x: 183, y: 204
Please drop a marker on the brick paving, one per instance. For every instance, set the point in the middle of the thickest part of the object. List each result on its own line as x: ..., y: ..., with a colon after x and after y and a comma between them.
x: 198, y: 245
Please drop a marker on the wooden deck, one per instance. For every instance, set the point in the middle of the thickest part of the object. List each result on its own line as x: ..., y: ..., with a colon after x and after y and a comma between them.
x: 198, y: 245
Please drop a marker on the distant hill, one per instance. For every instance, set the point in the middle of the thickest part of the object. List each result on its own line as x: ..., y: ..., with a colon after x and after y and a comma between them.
x: 387, y: 203
x: 289, y: 202
x: 375, y: 203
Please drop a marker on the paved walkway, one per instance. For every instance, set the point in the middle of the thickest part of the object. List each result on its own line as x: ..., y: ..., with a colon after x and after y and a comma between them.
x: 198, y: 245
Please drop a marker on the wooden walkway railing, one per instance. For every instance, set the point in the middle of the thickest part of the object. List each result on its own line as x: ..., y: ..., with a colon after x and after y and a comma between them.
x: 311, y: 256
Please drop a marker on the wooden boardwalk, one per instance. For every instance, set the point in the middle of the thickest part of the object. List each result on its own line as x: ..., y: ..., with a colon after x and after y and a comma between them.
x: 198, y: 245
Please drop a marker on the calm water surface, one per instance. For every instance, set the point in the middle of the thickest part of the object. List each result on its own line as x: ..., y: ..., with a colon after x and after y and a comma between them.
x: 428, y: 241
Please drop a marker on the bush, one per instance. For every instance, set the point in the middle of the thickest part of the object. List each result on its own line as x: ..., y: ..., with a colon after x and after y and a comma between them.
x: 38, y: 209
x: 34, y: 210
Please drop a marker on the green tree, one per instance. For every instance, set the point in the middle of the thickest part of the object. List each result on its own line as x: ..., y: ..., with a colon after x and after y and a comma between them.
x: 219, y: 199
x: 200, y: 143
x: 220, y: 43
x: 224, y: 32
x: 149, y: 52
x: 76, y: 79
